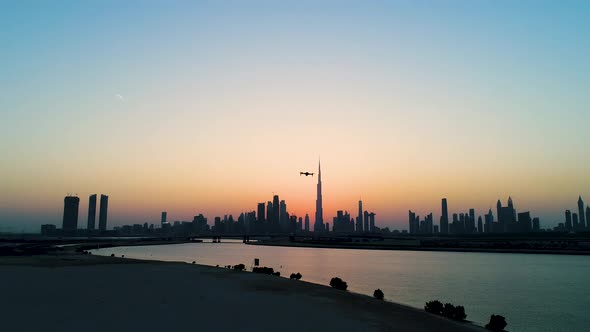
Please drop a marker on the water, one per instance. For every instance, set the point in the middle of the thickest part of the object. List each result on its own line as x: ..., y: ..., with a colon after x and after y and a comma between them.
x: 533, y: 292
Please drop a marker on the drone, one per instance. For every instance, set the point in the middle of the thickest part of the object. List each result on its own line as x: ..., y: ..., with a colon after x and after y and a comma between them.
x: 305, y: 173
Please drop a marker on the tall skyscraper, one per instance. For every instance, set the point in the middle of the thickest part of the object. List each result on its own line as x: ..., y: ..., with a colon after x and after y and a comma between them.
x: 536, y: 224
x: 575, y: 224
x: 444, y: 218
x: 568, y: 220
x: 70, y: 217
x: 372, y: 222
x: 268, y: 215
x: 587, y: 217
x: 91, y: 212
x: 283, y: 217
x: 307, y: 222
x: 102, y: 215
x: 366, y: 221
x: 583, y: 221
x: 412, y: 222
x: 479, y: 225
x: 276, y: 215
x: 164, y: 217
x: 359, y: 218
x: 472, y: 228
x: 319, y: 211
x: 489, y: 221
x: 506, y: 216
x: 525, y: 222
x: 260, y: 215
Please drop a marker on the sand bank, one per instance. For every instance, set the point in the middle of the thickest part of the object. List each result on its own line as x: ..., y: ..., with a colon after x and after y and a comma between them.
x: 92, y: 293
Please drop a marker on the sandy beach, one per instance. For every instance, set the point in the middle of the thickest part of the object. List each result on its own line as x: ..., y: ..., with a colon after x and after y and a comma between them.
x: 92, y: 293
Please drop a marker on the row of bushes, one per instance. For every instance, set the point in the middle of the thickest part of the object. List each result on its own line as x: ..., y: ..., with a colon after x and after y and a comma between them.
x: 497, y: 322
x: 266, y: 270
x: 447, y: 310
x: 342, y: 285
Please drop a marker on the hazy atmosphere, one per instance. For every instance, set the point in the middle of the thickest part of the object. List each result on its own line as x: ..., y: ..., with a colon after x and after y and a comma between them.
x: 210, y: 107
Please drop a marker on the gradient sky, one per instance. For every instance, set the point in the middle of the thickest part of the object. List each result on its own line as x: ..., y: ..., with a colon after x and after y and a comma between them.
x: 211, y: 106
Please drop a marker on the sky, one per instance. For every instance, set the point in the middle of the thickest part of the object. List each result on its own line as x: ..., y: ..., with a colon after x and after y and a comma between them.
x: 212, y: 106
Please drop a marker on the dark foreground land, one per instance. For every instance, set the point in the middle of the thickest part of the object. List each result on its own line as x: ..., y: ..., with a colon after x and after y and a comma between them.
x: 76, y: 292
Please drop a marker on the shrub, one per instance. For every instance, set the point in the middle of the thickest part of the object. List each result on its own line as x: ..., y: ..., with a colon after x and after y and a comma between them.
x: 378, y: 294
x: 434, y: 307
x: 448, y: 310
x: 497, y: 323
x: 295, y: 276
x: 240, y: 267
x: 338, y: 283
x: 263, y: 270
x: 278, y: 274
x: 459, y: 313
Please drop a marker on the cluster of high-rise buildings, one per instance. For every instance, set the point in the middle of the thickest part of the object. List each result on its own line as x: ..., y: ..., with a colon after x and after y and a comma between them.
x: 273, y: 217
x: 508, y: 221
x: 70, y: 216
x: 577, y: 221
x: 364, y: 223
x: 269, y: 217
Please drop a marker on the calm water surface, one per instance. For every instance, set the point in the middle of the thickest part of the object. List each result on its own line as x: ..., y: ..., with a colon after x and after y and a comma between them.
x: 533, y: 292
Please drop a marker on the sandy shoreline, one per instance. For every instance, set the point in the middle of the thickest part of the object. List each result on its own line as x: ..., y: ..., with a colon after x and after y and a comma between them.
x: 92, y: 293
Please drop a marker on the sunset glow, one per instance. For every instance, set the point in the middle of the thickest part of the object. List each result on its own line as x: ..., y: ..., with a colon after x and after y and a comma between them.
x: 192, y: 108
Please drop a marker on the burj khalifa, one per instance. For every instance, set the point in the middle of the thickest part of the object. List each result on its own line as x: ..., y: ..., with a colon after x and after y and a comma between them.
x: 319, y: 211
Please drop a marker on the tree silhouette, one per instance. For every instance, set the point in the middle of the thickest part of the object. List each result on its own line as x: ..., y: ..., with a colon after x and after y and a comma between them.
x: 434, y: 307
x: 378, y: 294
x: 338, y: 283
x: 497, y: 323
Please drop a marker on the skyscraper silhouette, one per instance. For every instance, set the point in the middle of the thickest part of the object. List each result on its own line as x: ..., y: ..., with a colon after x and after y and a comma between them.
x: 102, y: 216
x: 307, y: 222
x: 268, y: 216
x: 479, y: 225
x: 70, y: 217
x: 413, y: 224
x: 471, y: 228
x: 319, y: 211
x: 525, y: 222
x: 568, y: 220
x: 506, y: 216
x: 587, y: 217
x: 583, y: 221
x: 489, y: 221
x: 91, y: 212
x: 260, y: 213
x: 164, y: 217
x: 372, y: 222
x: 359, y: 218
x: 275, y: 213
x: 283, y: 216
x: 444, y: 218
